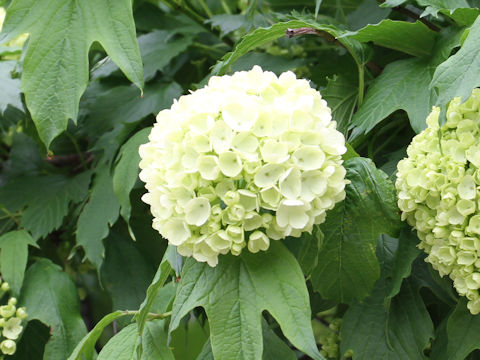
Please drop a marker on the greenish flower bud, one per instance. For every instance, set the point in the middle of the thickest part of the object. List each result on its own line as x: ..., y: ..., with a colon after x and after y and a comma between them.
x: 8, y: 347
x: 438, y: 189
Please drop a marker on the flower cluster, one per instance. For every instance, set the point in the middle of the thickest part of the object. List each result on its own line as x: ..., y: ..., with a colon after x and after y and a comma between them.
x: 439, y: 194
x: 248, y: 158
x: 11, y: 319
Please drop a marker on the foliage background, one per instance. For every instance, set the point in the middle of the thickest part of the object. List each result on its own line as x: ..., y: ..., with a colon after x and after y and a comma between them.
x: 78, y: 99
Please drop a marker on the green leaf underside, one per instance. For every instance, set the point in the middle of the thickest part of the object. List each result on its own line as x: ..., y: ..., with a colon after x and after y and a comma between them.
x: 347, y: 265
x: 126, y: 170
x: 459, y: 75
x: 235, y: 293
x: 262, y: 36
x: 378, y: 328
x: 13, y: 257
x: 158, y: 282
x: 411, y: 38
x: 157, y: 49
x: 9, y: 87
x: 97, y: 216
x: 85, y: 349
x: 56, y: 61
x: 403, y: 85
x: 50, y: 296
x: 46, y: 199
x: 273, y: 347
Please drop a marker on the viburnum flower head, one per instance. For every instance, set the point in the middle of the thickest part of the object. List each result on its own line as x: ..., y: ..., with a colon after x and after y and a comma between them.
x: 438, y: 191
x: 248, y: 159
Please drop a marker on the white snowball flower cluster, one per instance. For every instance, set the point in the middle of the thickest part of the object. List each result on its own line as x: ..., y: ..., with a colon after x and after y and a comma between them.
x: 249, y: 158
x: 439, y: 193
x: 11, y: 319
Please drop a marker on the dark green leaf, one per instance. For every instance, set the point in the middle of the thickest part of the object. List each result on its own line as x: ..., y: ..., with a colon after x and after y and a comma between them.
x: 411, y: 38
x: 46, y: 199
x: 459, y: 75
x: 125, y: 272
x: 341, y: 95
x: 9, y: 87
x: 367, y: 13
x: 395, y: 329
x: 434, y: 6
x: 32, y: 343
x: 277, y: 64
x: 14, y: 256
x: 97, y: 216
x: 403, y: 85
x: 126, y: 170
x: 406, y: 253
x: 50, y: 296
x: 61, y: 33
x: 347, y: 265
x: 235, y: 293
x: 123, y: 104
x: 462, y: 333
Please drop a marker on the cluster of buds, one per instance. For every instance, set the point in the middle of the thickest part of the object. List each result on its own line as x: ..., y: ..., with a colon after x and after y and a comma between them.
x: 11, y: 319
x: 439, y: 194
x: 249, y: 158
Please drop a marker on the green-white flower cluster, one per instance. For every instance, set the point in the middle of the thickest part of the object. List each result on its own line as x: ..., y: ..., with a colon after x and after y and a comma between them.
x: 439, y: 194
x: 248, y: 158
x: 11, y: 319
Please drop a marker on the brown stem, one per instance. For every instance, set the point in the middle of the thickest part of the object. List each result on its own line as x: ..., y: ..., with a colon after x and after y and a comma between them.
x: 68, y: 160
x: 415, y: 16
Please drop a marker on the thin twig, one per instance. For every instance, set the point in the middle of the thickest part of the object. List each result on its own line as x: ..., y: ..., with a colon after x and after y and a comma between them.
x: 411, y: 14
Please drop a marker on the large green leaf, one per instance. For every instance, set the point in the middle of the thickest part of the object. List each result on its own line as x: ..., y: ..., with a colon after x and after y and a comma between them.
x: 234, y: 294
x: 411, y: 38
x: 262, y: 36
x: 121, y: 346
x: 395, y: 329
x: 50, y: 296
x: 14, y: 256
x: 126, y: 170
x: 347, y: 265
x: 55, y: 69
x: 459, y: 74
x: 45, y: 198
x: 273, y: 347
x: 9, y: 87
x: 402, y: 85
x: 97, y: 216
x: 461, y: 335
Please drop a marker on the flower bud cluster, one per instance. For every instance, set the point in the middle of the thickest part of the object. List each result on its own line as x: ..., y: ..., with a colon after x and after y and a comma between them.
x: 439, y: 194
x: 11, y: 319
x: 249, y: 158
